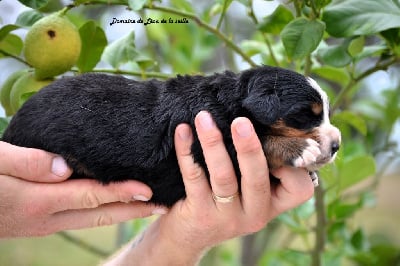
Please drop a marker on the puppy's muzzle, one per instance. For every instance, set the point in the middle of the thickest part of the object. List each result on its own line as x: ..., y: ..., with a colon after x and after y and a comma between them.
x: 334, y: 147
x: 330, y: 141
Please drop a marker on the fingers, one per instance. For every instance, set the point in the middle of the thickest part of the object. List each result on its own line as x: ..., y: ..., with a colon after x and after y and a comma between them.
x: 85, y: 194
x: 222, y: 174
x: 253, y: 166
x: 32, y: 164
x: 295, y: 188
x: 196, y: 185
x: 107, y: 214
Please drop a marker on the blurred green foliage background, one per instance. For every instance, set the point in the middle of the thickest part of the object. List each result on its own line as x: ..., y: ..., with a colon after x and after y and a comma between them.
x: 351, y: 47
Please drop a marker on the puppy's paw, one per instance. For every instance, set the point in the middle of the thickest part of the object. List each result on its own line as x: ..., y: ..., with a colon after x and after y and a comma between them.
x: 309, y: 155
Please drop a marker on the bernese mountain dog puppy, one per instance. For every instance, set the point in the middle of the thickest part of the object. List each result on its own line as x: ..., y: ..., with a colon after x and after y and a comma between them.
x: 111, y: 128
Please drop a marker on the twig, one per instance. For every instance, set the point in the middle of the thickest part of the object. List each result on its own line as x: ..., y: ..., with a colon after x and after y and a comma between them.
x: 196, y: 19
x: 264, y: 35
x: 254, y: 246
x: 297, y: 6
x: 314, y: 8
x: 363, y: 75
x: 308, y: 66
x: 15, y: 57
x: 320, y: 234
x: 84, y: 245
x: 134, y: 73
x: 206, y: 26
x: 223, y: 13
x: 191, y: 16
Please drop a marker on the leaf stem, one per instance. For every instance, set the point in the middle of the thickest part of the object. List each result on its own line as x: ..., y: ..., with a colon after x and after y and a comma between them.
x: 15, y: 57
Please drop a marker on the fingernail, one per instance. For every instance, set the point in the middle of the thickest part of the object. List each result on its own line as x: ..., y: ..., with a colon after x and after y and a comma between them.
x: 244, y: 128
x: 206, y: 120
x: 59, y: 167
x: 140, y: 198
x: 184, y: 133
x: 159, y: 211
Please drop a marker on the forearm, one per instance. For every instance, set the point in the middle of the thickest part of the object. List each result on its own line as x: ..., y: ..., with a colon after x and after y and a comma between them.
x: 153, y: 248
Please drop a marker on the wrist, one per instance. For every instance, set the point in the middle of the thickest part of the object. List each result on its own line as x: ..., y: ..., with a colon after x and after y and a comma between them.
x: 155, y: 246
x: 160, y: 241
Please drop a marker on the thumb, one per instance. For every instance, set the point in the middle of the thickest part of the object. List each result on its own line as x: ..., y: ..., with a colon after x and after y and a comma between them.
x: 32, y: 164
x: 295, y: 188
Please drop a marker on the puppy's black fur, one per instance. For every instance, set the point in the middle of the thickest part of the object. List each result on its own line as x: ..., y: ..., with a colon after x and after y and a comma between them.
x: 112, y: 129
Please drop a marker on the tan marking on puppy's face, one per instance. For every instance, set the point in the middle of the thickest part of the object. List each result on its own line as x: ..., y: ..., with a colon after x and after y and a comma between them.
x: 329, y: 136
x: 317, y: 108
x: 307, y: 148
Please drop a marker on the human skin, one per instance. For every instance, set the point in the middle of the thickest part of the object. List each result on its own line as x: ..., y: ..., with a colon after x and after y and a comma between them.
x: 197, y: 223
x: 37, y: 200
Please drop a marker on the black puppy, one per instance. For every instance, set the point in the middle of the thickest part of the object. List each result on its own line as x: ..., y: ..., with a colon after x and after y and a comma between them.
x: 112, y: 129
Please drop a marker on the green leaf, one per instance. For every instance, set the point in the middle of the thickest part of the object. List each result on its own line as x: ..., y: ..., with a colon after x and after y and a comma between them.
x: 356, y: 46
x: 253, y: 47
x: 136, y: 5
x: 183, y: 5
x: 352, y: 119
x: 6, y: 30
x: 341, y: 210
x: 354, y: 17
x: 360, y: 241
x: 392, y: 36
x: 370, y: 51
x: 337, y: 75
x: 322, y: 3
x: 356, y: 170
x: 3, y: 125
x: 28, y: 18
x: 35, y: 4
x: 335, y: 55
x: 275, y: 22
x: 121, y: 51
x: 302, y: 36
x: 94, y: 41
x: 144, y: 61
x: 11, y: 44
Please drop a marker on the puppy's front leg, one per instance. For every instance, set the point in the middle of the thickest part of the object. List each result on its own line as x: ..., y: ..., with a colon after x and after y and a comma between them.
x: 291, y: 151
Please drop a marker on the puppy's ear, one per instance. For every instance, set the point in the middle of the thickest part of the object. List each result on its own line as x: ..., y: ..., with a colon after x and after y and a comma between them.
x: 264, y: 108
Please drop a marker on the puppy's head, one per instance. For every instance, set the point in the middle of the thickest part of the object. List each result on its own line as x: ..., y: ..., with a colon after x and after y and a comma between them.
x: 286, y: 104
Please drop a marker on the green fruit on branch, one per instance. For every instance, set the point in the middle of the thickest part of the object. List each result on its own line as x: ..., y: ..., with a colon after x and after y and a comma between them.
x: 52, y: 46
x: 25, y: 87
x: 6, y: 90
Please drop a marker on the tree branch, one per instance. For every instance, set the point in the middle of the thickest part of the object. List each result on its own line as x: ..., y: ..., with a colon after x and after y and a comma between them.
x: 355, y: 80
x: 320, y: 228
x: 84, y: 245
x: 191, y: 16
x: 264, y: 35
x: 134, y: 73
x: 15, y: 57
x: 206, y: 26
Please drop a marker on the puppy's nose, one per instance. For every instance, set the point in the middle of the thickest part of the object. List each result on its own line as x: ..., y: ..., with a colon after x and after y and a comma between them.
x: 334, y: 147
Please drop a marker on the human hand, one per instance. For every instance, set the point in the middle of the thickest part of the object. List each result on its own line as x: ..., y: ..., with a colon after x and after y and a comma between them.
x: 199, y: 222
x: 35, y: 202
